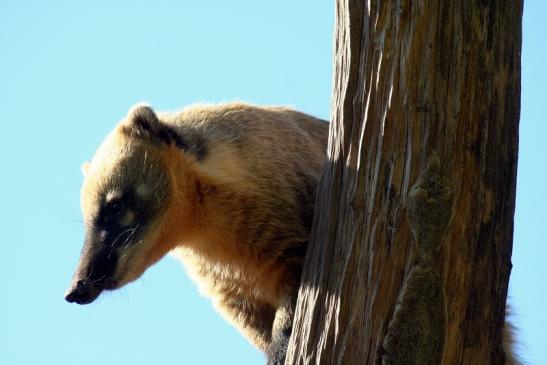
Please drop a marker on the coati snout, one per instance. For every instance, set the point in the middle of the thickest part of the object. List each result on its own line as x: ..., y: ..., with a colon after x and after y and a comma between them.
x: 93, y: 275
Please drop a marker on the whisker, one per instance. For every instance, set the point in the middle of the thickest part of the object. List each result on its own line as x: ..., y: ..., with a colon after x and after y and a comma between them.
x: 122, y: 233
x: 98, y: 279
x: 70, y: 216
x: 129, y: 239
x: 127, y: 253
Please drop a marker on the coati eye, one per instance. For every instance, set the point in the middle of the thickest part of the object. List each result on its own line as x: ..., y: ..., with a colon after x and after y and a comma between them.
x: 114, y: 208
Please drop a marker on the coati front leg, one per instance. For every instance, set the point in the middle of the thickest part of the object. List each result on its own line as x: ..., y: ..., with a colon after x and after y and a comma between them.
x: 281, y: 332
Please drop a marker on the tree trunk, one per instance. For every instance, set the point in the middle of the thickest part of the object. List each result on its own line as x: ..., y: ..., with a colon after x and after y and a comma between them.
x: 409, y: 258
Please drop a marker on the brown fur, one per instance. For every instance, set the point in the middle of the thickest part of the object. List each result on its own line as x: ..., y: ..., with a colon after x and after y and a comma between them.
x: 236, y: 208
x: 247, y: 217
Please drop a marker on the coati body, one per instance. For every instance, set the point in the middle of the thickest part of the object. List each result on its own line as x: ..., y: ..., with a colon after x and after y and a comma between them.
x: 228, y: 189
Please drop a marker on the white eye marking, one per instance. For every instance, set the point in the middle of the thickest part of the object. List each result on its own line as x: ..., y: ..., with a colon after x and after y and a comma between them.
x: 127, y: 218
x: 112, y: 194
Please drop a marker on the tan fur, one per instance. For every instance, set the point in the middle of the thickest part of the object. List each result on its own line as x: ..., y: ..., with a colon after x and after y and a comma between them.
x: 510, y: 346
x: 233, y: 217
x: 238, y: 191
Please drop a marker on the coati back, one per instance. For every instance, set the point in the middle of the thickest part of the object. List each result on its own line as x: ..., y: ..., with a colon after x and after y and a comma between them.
x: 228, y: 189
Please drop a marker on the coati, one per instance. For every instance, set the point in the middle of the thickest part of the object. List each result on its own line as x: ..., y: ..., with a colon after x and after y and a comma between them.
x: 228, y: 189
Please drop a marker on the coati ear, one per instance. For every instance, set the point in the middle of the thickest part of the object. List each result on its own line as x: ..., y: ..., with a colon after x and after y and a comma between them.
x: 85, y: 167
x: 143, y: 123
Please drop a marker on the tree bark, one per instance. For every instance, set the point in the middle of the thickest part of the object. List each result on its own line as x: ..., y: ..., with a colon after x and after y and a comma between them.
x: 409, y: 258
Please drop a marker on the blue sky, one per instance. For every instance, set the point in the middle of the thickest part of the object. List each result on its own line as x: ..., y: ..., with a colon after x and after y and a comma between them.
x: 70, y: 69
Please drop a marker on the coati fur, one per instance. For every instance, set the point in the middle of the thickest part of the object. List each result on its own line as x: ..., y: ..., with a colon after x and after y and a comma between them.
x: 228, y: 189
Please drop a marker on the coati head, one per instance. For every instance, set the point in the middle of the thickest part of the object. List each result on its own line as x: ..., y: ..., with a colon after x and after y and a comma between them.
x: 129, y: 200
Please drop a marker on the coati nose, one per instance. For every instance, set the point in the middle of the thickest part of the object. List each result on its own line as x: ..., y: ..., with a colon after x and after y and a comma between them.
x: 81, y: 293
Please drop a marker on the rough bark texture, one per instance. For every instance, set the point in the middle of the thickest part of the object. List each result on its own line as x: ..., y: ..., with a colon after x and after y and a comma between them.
x: 415, y: 80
